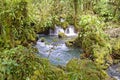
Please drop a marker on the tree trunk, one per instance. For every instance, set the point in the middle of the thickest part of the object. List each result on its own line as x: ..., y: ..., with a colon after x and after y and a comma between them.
x: 76, y: 12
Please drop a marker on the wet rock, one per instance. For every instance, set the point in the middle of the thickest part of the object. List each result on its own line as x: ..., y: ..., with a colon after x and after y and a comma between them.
x: 42, y: 39
x: 69, y: 43
x: 61, y: 35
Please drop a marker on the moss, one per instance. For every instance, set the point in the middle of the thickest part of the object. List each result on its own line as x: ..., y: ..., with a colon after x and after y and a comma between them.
x: 115, y: 49
x: 61, y: 35
x: 70, y: 43
x: 42, y: 39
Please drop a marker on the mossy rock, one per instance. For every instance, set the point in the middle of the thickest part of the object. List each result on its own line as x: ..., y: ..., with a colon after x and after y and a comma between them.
x: 42, y: 39
x: 61, y: 35
x: 70, y: 43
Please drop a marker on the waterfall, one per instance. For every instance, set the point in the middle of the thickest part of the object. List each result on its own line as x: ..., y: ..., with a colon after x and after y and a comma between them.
x: 56, y: 30
x: 69, y: 31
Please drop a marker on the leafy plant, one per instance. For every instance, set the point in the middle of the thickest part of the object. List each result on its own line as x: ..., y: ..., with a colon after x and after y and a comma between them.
x: 93, y: 40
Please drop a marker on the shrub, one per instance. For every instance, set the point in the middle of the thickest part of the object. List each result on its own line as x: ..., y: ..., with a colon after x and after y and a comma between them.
x: 22, y: 63
x: 93, y: 40
x: 85, y: 70
x: 116, y: 50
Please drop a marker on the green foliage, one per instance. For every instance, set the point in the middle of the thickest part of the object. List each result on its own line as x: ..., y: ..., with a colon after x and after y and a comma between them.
x: 15, y: 23
x: 115, y: 48
x: 20, y: 19
x: 70, y: 43
x: 91, y: 20
x: 104, y: 10
x: 93, y: 40
x: 18, y: 63
x: 21, y: 63
x: 84, y: 70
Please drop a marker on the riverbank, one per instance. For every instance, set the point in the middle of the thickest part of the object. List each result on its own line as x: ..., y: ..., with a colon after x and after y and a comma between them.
x: 114, y: 70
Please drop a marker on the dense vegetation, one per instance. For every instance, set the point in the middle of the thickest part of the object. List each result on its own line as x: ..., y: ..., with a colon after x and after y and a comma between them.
x: 21, y: 20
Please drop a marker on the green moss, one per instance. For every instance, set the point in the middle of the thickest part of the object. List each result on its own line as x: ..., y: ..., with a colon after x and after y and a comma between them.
x: 42, y: 39
x: 70, y: 43
x: 61, y: 35
x: 115, y: 49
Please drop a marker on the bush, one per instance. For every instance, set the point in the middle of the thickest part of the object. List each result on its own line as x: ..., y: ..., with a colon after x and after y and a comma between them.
x: 116, y: 49
x: 21, y: 63
x: 93, y: 40
x: 85, y: 70
x: 104, y: 10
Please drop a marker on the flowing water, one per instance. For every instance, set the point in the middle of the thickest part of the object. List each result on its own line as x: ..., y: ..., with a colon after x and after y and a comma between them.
x: 69, y: 31
x: 56, y: 51
x: 114, y: 71
x: 59, y: 54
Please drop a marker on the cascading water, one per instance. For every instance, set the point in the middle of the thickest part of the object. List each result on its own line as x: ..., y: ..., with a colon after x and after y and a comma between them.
x: 69, y: 31
x: 56, y: 30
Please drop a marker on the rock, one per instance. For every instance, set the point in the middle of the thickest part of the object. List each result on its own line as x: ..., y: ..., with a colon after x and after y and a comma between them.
x: 69, y: 43
x: 114, y: 32
x: 42, y: 39
x: 61, y: 35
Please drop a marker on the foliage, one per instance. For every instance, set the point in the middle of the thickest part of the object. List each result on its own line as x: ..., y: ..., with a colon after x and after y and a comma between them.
x: 104, y: 10
x: 115, y: 48
x: 93, y: 40
x: 20, y: 19
x: 21, y: 63
x: 15, y: 23
x: 85, y: 70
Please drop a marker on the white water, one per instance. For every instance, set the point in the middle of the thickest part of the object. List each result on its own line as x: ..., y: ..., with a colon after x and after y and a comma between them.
x: 69, y: 31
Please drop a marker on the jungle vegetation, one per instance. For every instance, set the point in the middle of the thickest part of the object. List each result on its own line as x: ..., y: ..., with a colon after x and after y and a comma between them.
x: 22, y: 20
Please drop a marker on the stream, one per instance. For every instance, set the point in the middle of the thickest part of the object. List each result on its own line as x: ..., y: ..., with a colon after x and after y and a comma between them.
x: 114, y: 71
x: 56, y: 51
